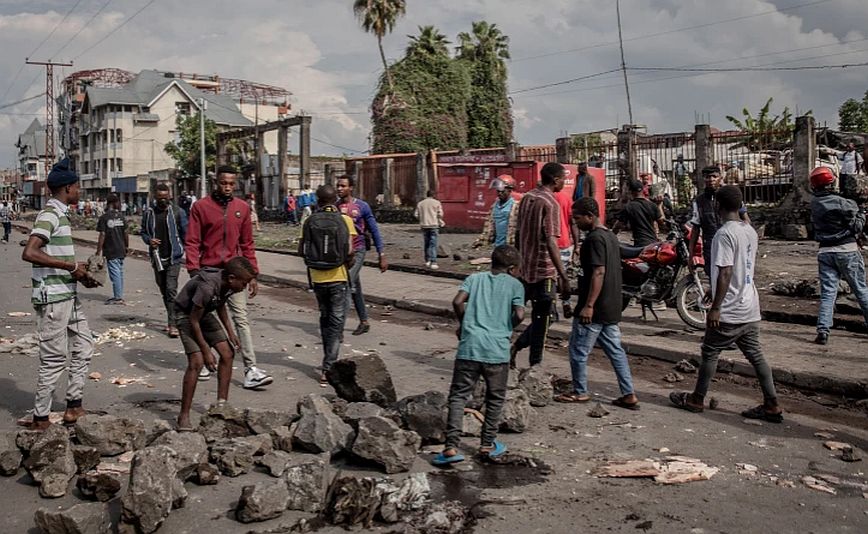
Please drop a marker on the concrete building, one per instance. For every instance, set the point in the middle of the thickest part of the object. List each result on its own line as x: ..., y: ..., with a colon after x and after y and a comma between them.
x: 31, y: 164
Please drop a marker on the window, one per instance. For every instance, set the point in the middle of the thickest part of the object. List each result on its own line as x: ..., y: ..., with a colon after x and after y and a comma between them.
x: 182, y: 108
x: 119, y: 135
x: 112, y: 164
x: 120, y: 165
x: 111, y: 136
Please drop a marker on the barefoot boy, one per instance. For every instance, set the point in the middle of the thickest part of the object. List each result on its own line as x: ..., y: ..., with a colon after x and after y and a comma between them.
x: 488, y: 306
x: 198, y: 306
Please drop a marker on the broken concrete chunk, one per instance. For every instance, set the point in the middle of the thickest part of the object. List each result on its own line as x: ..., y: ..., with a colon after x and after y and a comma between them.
x: 83, y: 518
x: 205, y: 475
x: 10, y: 455
x: 383, y: 442
x: 425, y: 414
x: 307, y: 483
x: 837, y: 445
x: 261, y: 502
x: 517, y: 413
x: 222, y: 421
x: 275, y: 462
x: 110, y: 435
x: 851, y: 454
x: 667, y: 470
x: 359, y: 410
x: 322, y: 432
x: 86, y: 458
x: 685, y: 366
x: 234, y: 456
x: 598, y: 410
x: 362, y: 378
x: 537, y: 385
x: 155, y: 429
x: 98, y: 486
x: 190, y: 451
x: 281, y: 438
x: 265, y: 421
x: 51, y: 463
x: 151, y: 491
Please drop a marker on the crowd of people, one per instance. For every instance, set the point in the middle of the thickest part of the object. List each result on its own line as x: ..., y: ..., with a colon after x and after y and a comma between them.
x: 536, y: 237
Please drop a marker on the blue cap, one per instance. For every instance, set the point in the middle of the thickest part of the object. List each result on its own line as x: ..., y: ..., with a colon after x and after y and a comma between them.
x: 61, y: 175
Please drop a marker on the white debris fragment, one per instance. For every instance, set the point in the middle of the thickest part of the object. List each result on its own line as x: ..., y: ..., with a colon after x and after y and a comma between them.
x: 119, y: 334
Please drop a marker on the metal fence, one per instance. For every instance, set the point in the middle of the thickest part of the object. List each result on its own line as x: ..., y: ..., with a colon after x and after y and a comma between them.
x: 760, y: 163
x: 669, y: 162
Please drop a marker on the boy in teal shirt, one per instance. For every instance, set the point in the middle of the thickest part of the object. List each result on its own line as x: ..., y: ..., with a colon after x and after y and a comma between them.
x: 488, y: 306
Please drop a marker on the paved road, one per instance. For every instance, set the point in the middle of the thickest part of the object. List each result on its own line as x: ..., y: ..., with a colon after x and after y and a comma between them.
x: 568, y: 500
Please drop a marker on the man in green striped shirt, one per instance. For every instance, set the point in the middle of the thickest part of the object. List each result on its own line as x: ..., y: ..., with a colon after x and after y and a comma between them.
x: 60, y: 322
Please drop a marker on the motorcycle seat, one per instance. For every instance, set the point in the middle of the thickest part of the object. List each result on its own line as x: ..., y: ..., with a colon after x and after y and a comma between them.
x: 628, y: 252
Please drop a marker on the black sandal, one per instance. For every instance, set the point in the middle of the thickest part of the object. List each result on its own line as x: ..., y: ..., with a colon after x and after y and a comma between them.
x: 759, y: 412
x: 680, y: 399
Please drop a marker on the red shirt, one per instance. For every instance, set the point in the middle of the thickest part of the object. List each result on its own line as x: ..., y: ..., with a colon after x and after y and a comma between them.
x: 565, y: 201
x: 216, y: 234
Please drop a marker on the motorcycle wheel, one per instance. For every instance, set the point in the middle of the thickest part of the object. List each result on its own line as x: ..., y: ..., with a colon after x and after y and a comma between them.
x: 688, y: 303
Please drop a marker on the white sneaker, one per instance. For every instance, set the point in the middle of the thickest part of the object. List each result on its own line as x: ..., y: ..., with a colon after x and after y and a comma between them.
x: 434, y: 266
x: 255, y: 377
x: 428, y: 264
x: 204, y: 375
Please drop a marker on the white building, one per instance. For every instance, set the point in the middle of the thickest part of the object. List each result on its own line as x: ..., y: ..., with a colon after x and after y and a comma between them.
x: 31, y: 163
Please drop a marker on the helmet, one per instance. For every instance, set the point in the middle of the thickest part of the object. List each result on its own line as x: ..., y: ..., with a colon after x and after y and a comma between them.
x: 822, y: 176
x: 504, y: 181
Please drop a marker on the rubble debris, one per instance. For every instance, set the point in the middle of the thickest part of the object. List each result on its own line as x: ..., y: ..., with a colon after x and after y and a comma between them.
x: 517, y: 412
x: 666, y: 470
x: 836, y: 445
x: 685, y: 366
x: 748, y: 468
x: 851, y: 454
x: 98, y: 486
x: 86, y: 457
x: 233, y: 456
x: 537, y: 385
x: 124, y: 381
x: 824, y: 435
x: 262, y: 501
x: 190, y: 451
x: 359, y: 501
x: 83, y: 518
x: 205, y: 475
x: 120, y: 334
x: 307, y: 483
x: 275, y: 462
x: 151, y: 491
x: 27, y: 345
x: 430, y: 326
x: 223, y: 421
x: 382, y: 441
x: 819, y: 485
x: 96, y: 376
x: 51, y: 463
x: 713, y: 403
x: 19, y: 314
x: 155, y: 429
x: 672, y: 378
x: 265, y: 421
x: 10, y: 454
x: 472, y: 423
x: 480, y: 261
x: 120, y: 464
x: 356, y: 411
x: 110, y: 435
x: 425, y: 414
x: 598, y: 410
x: 281, y: 438
x: 322, y: 432
x: 363, y: 378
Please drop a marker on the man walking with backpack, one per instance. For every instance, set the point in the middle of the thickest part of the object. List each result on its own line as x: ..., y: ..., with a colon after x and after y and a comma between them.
x: 327, y: 247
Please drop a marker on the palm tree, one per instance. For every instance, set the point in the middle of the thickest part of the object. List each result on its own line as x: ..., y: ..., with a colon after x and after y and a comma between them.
x: 379, y: 17
x: 486, y: 42
x: 429, y: 42
x: 765, y: 130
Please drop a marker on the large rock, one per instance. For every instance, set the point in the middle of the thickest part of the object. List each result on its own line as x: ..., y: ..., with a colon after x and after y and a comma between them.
x: 10, y: 455
x: 222, y: 421
x: 190, y: 451
x: 322, y: 432
x: 383, y: 442
x: 109, y: 434
x: 275, y: 462
x: 152, y: 490
x: 86, y: 457
x: 307, y: 483
x: 261, y: 502
x: 265, y: 421
x: 537, y: 385
x: 313, y: 404
x: 98, y: 486
x: 425, y: 414
x: 362, y: 378
x: 233, y: 457
x: 356, y: 411
x: 83, y: 518
x: 51, y: 463
x: 263, y: 443
x: 517, y: 412
x: 281, y: 438
x: 155, y: 429
x: 25, y: 439
x: 205, y: 475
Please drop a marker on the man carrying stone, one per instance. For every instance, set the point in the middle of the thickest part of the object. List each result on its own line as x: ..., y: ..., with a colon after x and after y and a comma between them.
x: 164, y: 227
x: 60, y: 322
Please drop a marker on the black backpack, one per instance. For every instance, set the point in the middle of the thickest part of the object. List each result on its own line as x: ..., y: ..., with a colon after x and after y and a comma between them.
x: 326, y: 240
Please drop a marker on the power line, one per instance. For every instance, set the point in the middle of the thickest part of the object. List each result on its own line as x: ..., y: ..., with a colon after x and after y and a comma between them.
x: 27, y: 99
x: 83, y: 26
x: 118, y: 27
x: 751, y: 69
x: 339, y: 146
x: 675, y: 30
x: 68, y: 13
x: 564, y: 82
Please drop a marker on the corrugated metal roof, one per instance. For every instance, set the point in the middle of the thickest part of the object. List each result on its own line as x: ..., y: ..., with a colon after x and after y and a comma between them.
x: 31, y: 143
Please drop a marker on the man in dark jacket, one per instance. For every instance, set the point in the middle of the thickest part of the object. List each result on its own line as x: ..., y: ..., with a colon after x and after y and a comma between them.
x: 164, y: 227
x: 705, y: 220
x: 838, y: 223
x: 219, y: 230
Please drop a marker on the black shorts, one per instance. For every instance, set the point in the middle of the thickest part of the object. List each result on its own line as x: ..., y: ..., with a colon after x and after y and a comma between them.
x: 212, y: 331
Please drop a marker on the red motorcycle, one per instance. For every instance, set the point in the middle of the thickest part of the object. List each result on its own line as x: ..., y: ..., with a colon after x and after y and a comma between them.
x: 660, y: 272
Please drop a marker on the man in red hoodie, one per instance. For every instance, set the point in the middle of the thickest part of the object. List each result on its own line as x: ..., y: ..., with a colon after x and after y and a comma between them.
x: 220, y: 229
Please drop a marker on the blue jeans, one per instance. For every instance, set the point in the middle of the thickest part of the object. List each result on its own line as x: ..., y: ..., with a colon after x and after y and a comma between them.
x: 116, y: 275
x: 332, y: 300
x: 582, y: 341
x: 833, y: 267
x: 430, y: 235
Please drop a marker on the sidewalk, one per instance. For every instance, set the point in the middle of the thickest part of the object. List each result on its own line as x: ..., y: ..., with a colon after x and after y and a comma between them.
x: 840, y: 368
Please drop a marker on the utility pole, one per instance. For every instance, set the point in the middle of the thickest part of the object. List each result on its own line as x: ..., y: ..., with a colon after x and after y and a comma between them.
x: 203, y: 188
x: 49, y: 108
x: 624, y: 63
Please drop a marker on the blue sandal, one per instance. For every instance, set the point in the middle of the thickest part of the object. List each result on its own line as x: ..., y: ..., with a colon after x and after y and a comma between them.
x: 498, y: 449
x: 441, y: 460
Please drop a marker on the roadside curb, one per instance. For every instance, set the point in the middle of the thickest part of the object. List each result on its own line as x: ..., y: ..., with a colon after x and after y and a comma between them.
x: 807, y: 380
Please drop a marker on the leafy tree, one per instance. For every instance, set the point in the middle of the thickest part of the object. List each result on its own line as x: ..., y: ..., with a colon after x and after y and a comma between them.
x: 429, y: 42
x: 853, y: 115
x: 766, y: 131
x: 489, y: 114
x: 186, y: 150
x: 379, y: 17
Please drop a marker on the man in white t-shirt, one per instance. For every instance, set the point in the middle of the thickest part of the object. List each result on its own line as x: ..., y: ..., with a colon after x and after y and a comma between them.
x: 734, y: 316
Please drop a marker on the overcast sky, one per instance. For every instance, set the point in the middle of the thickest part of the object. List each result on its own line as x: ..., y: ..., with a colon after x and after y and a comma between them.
x: 316, y: 49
